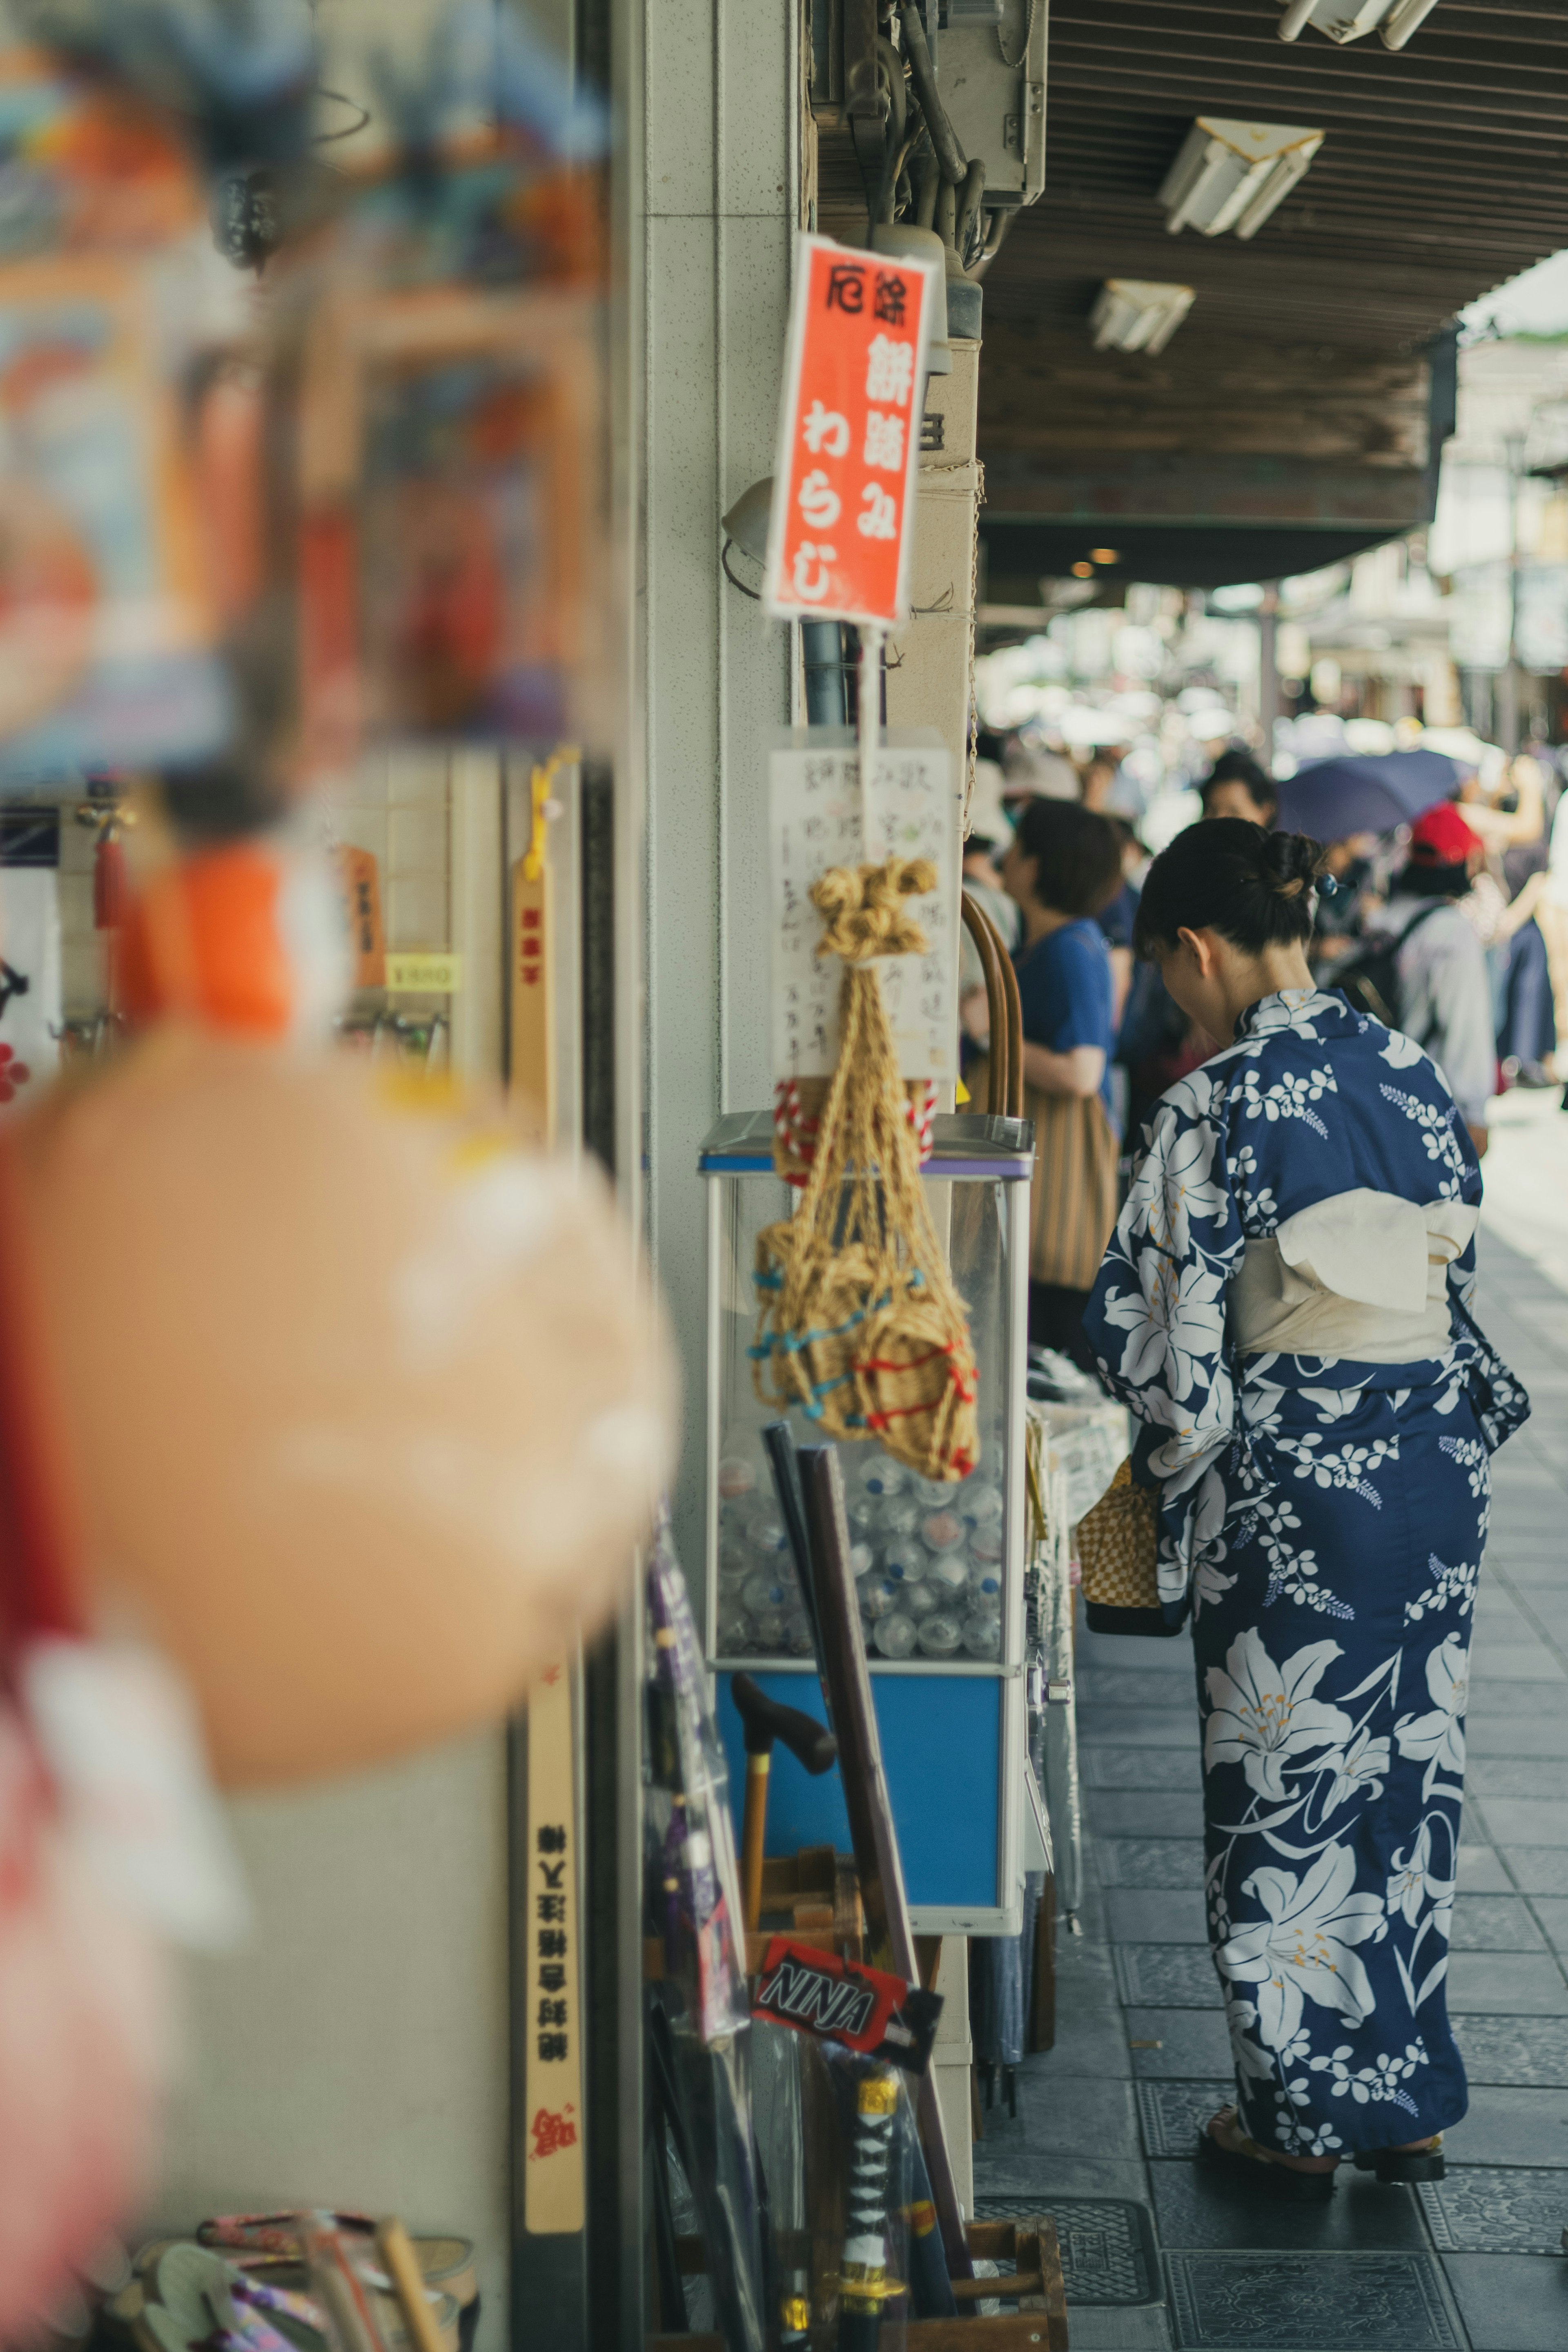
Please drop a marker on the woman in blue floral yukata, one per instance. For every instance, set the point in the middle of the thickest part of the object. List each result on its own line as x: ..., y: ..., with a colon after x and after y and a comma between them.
x: 1285, y: 1307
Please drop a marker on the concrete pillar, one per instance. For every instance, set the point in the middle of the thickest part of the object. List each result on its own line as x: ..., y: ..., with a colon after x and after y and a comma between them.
x: 721, y: 139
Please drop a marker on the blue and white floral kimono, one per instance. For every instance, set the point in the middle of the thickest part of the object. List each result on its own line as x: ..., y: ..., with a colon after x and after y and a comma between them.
x: 1285, y: 1307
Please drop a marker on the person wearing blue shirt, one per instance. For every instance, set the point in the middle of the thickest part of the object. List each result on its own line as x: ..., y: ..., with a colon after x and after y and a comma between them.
x: 1064, y: 867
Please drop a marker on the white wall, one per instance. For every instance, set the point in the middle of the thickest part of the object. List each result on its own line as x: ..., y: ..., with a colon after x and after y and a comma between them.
x: 356, y: 2052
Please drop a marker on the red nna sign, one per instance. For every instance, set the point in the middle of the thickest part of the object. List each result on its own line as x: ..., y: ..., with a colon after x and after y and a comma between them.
x: 843, y: 487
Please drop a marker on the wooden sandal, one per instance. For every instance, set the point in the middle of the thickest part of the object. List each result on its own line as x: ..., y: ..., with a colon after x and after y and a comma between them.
x: 1393, y: 2165
x: 1261, y: 2170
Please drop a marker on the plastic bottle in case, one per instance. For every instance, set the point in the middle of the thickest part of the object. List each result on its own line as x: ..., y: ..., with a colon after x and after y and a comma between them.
x: 950, y: 1571
x: 877, y: 1595
x: 765, y: 1594
x: 983, y: 1635
x: 894, y: 1634
x: 941, y: 1634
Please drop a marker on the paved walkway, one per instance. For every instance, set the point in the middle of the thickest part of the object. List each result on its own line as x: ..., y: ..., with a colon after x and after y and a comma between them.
x: 1141, y: 2054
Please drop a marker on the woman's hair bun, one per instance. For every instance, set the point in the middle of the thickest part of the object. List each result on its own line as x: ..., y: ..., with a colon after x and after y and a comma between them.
x: 1291, y: 862
x: 1255, y: 888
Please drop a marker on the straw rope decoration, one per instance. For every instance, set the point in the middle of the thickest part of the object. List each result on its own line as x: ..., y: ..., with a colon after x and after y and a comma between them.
x: 859, y: 1323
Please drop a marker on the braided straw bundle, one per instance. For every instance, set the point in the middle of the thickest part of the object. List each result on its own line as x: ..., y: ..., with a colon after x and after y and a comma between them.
x: 859, y: 1322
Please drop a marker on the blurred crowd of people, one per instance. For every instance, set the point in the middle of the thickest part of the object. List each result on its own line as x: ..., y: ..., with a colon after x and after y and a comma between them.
x: 1454, y: 928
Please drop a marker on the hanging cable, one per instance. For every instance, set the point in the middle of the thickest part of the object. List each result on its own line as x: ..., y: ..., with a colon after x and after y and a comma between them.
x: 1027, y: 38
x: 923, y: 74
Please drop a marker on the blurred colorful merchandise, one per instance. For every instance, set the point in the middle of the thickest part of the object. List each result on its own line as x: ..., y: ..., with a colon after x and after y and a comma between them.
x: 447, y: 459
x: 107, y: 628
x: 442, y: 339
x: 368, y: 511
x: 88, y: 166
x: 109, y: 289
x: 245, y: 936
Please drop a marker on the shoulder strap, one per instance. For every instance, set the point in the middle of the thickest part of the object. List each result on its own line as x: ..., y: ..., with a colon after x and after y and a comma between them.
x: 1434, y: 907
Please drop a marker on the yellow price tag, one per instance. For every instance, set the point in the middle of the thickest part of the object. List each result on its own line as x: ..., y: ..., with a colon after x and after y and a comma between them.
x: 431, y: 972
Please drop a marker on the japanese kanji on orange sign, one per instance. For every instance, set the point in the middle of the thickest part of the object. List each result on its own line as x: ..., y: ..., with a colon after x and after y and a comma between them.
x: 843, y: 488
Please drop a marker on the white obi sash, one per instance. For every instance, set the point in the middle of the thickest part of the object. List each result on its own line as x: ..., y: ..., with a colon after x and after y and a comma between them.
x: 1363, y: 1275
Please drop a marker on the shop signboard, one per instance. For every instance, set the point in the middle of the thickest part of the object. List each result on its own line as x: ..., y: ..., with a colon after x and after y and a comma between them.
x: 554, y: 2198
x: 817, y: 816
x: 843, y: 487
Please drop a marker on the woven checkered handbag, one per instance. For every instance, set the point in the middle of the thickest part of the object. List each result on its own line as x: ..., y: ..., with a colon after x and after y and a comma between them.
x: 1118, y: 1543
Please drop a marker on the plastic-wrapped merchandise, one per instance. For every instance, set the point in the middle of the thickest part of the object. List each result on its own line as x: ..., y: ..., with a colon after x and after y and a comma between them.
x: 699, y: 2015
x: 780, y: 2062
x: 876, y: 2135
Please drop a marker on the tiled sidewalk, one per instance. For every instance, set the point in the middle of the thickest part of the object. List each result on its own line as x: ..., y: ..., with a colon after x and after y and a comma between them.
x: 1141, y: 2054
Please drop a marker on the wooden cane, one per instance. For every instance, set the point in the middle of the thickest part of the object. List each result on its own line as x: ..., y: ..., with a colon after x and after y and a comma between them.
x: 810, y: 1742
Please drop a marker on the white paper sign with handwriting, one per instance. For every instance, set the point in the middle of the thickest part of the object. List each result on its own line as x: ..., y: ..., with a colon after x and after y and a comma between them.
x: 815, y: 824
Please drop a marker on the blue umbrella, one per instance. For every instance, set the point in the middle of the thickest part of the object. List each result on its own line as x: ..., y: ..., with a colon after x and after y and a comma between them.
x: 1370, y: 794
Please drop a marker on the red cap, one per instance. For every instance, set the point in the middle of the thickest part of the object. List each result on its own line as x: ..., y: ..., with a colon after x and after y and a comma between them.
x: 1442, y: 837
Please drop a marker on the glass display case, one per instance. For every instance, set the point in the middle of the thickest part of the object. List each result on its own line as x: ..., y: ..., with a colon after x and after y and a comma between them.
x: 939, y: 1566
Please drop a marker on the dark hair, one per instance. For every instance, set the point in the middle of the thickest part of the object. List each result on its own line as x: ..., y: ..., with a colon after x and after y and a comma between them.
x: 1241, y: 768
x: 1432, y: 881
x: 1079, y: 857
x: 1255, y: 888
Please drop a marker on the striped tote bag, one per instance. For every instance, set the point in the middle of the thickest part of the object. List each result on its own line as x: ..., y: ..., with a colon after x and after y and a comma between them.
x: 1072, y: 1202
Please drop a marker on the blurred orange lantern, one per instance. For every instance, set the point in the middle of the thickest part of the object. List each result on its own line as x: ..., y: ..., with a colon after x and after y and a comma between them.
x: 369, y: 1407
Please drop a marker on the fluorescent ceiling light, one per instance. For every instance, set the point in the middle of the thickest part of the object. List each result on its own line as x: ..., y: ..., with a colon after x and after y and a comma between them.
x: 1137, y: 314
x: 1348, y: 20
x: 1231, y: 176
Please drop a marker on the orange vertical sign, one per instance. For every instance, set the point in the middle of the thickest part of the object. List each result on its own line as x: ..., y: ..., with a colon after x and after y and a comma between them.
x: 532, y: 1064
x: 843, y: 487
x: 358, y: 878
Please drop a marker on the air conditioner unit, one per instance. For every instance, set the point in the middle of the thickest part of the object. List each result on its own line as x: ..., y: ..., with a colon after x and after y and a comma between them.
x: 1137, y: 314
x: 1232, y: 175
x: 1348, y: 20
